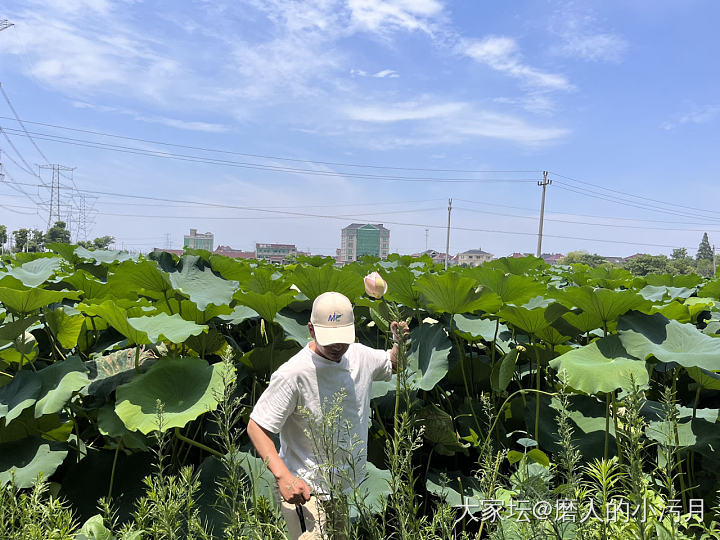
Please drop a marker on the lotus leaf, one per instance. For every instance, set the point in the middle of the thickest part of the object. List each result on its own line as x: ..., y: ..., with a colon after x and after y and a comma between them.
x: 313, y: 281
x: 66, y: 328
x: 400, y: 287
x: 448, y: 293
x: 59, y: 382
x: 265, y: 281
x: 375, y: 487
x: 295, y: 326
x: 11, y: 330
x: 109, y: 371
x: 711, y: 289
x: 503, y: 371
x: 512, y: 289
x: 458, y: 491
x: 187, y: 387
x: 706, y: 379
x: 109, y: 424
x: 201, y: 285
x: 268, y: 304
x: 144, y: 278
x: 474, y: 328
x: 33, y: 273
x: 599, y: 305
x: 603, y: 366
x: 668, y: 341
x: 94, y: 529
x: 98, y: 256
x: 439, y: 429
x: 22, y: 461
x: 28, y: 301
x: 239, y: 314
x: 19, y: 394
x: 516, y: 265
x: 229, y: 268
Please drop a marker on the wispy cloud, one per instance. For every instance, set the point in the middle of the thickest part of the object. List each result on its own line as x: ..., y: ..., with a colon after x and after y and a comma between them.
x: 384, y: 74
x: 382, y: 16
x: 582, y: 36
x: 448, y: 122
x: 503, y: 54
x: 699, y: 115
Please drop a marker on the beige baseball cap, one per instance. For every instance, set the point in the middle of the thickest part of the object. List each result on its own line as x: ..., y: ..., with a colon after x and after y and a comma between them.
x: 333, y: 319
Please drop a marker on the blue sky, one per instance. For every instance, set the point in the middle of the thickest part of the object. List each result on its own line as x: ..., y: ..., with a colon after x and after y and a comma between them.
x: 618, y: 100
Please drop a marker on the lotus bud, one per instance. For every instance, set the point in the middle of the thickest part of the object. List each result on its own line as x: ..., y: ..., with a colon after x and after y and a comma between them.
x: 375, y: 285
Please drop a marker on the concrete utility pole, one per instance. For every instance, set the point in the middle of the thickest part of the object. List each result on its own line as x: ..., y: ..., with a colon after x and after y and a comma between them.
x: 714, y: 263
x: 55, y: 191
x: 545, y: 183
x: 426, y: 238
x: 447, y: 242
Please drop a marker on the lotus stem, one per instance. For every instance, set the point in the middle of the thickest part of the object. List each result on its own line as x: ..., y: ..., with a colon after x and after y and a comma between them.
x: 461, y: 351
x: 112, y: 472
x: 615, y: 420
x: 199, y: 445
x: 502, y: 407
x: 537, y: 387
x: 137, y: 357
x: 607, y: 425
x: 7, y: 374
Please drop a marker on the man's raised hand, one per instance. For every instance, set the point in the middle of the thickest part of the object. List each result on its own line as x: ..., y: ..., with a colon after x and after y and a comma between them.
x: 294, y: 490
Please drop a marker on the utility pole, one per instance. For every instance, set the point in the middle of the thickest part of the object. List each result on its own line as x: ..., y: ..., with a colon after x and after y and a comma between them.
x: 55, y: 191
x: 714, y: 263
x: 545, y: 183
x: 447, y: 242
x: 426, y: 239
x: 167, y: 241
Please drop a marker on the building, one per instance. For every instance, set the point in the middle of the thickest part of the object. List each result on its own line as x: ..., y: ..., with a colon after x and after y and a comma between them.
x: 227, y: 251
x: 276, y: 253
x: 359, y: 239
x: 552, y: 258
x: 436, y: 256
x: 199, y: 241
x: 474, y: 257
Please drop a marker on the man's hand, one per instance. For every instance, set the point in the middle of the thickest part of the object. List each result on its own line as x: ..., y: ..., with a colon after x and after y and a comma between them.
x: 293, y: 489
x: 399, y: 329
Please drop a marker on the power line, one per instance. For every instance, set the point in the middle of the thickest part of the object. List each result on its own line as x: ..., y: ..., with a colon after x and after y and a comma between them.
x: 278, y: 158
x: 673, y: 204
x: 28, y: 167
x: 323, y: 216
x: 9, y: 103
x: 256, y: 166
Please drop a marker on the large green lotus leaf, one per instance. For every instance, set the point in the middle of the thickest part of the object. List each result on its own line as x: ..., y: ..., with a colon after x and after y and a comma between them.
x: 98, y: 256
x: 374, y: 488
x: 50, y: 427
x: 190, y: 311
x: 516, y: 265
x: 94, y: 529
x: 22, y: 350
x: 11, y: 330
x: 131, y: 278
x: 609, y: 278
x: 438, y: 428
x: 668, y: 341
x: 655, y: 293
x: 33, y: 273
x: 602, y: 304
x: 673, y: 310
x: 530, y: 321
x: 313, y: 281
x: 669, y: 280
x: 147, y: 329
x: 512, y: 289
x: 239, y: 314
x: 706, y: 379
x: 59, y: 382
x: 32, y: 299
x: 162, y: 326
x: 91, y: 287
x: 210, y: 342
x: 400, y: 287
x: 700, y: 433
x: 228, y: 268
x: 452, y: 293
x: 109, y: 371
x: 200, y: 284
x: 456, y: 490
x: 697, y: 305
x: 474, y: 328
x: 710, y: 289
x: 603, y: 366
x: 22, y: 461
x: 295, y: 326
x: 66, y: 251
x: 21, y: 393
x: 187, y: 387
x: 109, y: 424
x: 66, y: 328
x: 268, y: 304
x: 265, y: 280
x: 428, y: 355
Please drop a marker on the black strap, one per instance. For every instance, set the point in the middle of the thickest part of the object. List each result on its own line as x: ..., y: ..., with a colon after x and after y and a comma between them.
x: 299, y: 511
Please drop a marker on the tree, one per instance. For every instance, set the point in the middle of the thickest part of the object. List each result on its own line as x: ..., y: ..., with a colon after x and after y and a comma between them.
x: 3, y: 237
x: 704, y: 252
x: 103, y: 242
x: 705, y: 268
x: 680, y: 262
x: 583, y: 257
x: 647, y: 264
x: 28, y: 240
x: 58, y: 233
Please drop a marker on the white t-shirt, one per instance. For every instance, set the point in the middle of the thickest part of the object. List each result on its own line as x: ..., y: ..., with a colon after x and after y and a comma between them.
x: 309, y: 381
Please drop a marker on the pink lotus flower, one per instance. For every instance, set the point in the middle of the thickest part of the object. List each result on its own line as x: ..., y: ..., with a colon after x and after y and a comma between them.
x: 375, y: 285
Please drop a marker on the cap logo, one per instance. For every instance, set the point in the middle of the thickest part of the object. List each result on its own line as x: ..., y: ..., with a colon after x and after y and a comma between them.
x: 334, y: 317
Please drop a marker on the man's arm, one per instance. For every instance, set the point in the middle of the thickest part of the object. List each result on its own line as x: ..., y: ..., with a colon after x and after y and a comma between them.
x: 293, y: 489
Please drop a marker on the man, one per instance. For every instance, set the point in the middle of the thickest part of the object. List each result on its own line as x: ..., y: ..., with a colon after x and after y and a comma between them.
x: 331, y: 363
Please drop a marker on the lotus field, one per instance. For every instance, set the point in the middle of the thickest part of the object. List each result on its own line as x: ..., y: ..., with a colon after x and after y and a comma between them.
x: 534, y: 401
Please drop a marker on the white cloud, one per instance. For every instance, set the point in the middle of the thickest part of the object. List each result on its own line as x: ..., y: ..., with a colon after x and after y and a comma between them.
x: 447, y: 123
x: 699, y: 115
x: 581, y: 35
x: 390, y: 15
x: 502, y: 54
x: 389, y: 73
